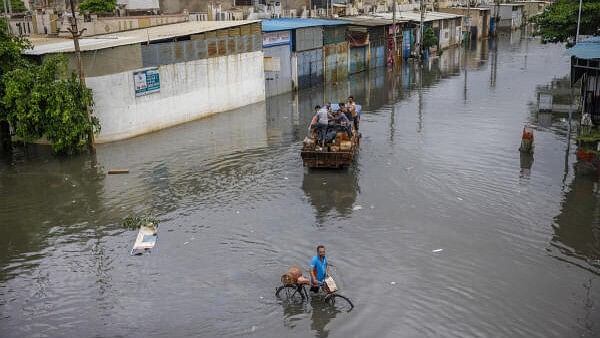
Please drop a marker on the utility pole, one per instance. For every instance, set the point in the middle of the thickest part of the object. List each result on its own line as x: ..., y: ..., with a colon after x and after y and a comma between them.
x: 395, y: 34
x: 469, y: 20
x: 421, y: 30
x: 578, y: 22
x: 497, y: 17
x: 76, y: 34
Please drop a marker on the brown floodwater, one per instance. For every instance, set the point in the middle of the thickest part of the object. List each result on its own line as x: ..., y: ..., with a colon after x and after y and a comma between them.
x: 438, y: 168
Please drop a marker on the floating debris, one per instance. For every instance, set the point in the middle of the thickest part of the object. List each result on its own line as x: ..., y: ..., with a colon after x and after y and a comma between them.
x: 118, y: 171
x: 146, y: 239
x: 357, y: 207
x: 437, y: 250
x: 392, y: 283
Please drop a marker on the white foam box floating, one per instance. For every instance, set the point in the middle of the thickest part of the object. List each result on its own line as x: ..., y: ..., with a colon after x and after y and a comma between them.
x: 146, y: 239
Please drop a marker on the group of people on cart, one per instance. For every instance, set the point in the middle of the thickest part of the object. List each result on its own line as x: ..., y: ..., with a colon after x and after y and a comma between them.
x: 331, y: 118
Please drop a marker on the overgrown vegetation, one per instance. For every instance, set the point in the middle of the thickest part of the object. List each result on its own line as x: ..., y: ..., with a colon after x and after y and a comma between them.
x: 558, y: 23
x: 43, y: 100
x: 98, y: 6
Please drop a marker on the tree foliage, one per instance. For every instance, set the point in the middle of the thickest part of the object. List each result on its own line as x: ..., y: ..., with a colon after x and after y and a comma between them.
x: 18, y: 6
x: 10, y: 58
x: 98, y: 6
x: 429, y: 38
x: 558, y: 22
x: 43, y: 100
x: 46, y: 101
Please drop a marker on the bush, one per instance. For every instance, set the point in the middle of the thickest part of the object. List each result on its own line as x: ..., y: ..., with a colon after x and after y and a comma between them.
x: 98, y: 6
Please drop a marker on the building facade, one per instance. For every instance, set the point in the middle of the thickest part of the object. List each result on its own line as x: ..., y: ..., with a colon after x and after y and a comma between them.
x: 151, y: 79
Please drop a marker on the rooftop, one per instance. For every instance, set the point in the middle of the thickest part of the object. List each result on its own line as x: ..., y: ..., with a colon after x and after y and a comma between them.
x: 60, y: 45
x: 274, y: 25
x: 588, y: 48
x: 416, y: 16
x: 482, y: 9
x: 370, y: 21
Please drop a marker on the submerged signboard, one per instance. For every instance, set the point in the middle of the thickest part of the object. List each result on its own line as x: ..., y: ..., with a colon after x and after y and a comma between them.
x: 146, y: 81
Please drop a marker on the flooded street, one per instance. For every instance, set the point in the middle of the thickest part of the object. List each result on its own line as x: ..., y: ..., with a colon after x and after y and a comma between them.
x: 438, y: 168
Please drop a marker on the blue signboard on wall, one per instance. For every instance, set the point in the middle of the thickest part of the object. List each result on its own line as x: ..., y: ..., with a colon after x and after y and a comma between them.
x: 406, y: 42
x: 146, y: 81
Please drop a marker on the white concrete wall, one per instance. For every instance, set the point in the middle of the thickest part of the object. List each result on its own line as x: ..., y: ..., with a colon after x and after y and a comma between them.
x: 140, y: 4
x: 188, y: 91
x: 106, y: 25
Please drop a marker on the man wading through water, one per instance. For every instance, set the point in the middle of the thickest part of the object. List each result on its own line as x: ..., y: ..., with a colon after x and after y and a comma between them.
x: 318, y: 269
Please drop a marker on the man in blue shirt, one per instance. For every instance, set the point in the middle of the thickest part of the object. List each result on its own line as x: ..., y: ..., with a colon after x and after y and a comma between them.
x: 318, y: 269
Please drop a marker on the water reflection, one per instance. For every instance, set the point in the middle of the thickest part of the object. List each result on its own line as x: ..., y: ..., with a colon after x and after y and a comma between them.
x: 322, y: 314
x: 330, y: 190
x: 70, y: 188
x: 526, y: 163
x: 293, y: 313
x: 577, y: 227
x: 233, y: 187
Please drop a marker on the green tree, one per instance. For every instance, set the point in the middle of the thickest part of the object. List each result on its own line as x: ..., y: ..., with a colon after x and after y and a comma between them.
x: 18, y: 6
x: 11, y: 48
x: 42, y: 100
x: 429, y: 38
x: 98, y: 6
x: 49, y: 101
x: 558, y: 22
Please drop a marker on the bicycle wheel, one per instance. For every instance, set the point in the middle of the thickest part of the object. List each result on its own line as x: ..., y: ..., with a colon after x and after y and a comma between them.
x: 334, y: 300
x: 290, y: 293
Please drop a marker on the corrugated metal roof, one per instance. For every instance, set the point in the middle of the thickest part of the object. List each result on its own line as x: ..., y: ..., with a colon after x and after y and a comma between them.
x: 131, y: 37
x: 370, y: 21
x: 416, y: 16
x: 588, y: 48
x: 274, y: 25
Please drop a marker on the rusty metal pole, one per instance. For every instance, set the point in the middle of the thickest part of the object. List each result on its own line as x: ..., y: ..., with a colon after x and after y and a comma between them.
x: 76, y: 34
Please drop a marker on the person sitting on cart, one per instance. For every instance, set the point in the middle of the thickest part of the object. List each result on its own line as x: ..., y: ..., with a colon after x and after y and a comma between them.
x: 344, y: 109
x: 318, y: 269
x: 341, y: 119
